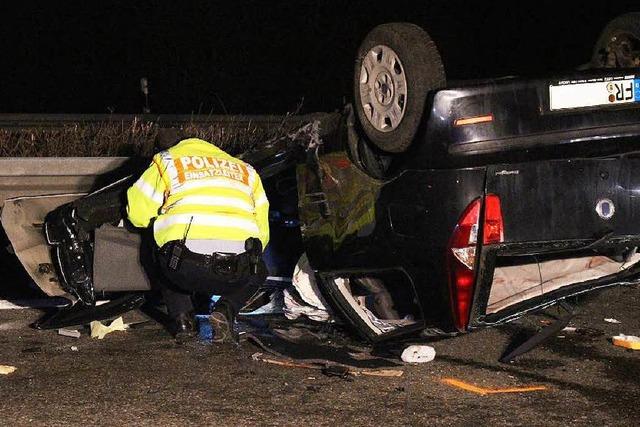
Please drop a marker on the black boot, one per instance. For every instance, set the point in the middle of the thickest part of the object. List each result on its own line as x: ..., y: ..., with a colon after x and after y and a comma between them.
x: 222, y: 319
x: 184, y: 327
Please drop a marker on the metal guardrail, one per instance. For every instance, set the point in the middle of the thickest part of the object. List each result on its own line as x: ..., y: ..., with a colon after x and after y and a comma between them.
x: 31, y: 176
x: 9, y: 121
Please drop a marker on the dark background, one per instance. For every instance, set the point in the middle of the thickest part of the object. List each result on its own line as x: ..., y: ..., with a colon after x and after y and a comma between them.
x: 261, y: 56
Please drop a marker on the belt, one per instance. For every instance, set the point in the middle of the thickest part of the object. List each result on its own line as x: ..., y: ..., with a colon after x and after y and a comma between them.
x: 220, y: 262
x: 215, y: 258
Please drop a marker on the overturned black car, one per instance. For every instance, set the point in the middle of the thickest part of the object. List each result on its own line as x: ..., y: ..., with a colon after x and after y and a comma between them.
x: 465, y: 205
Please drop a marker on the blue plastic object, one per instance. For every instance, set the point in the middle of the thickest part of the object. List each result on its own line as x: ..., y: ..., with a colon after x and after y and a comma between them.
x: 213, y: 301
x: 205, y: 331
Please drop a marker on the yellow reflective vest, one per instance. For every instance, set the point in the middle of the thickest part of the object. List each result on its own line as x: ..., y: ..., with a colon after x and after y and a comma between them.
x: 196, y: 182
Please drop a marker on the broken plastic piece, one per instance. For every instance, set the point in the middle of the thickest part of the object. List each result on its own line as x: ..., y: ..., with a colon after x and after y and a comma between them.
x: 7, y: 369
x: 484, y: 391
x: 69, y: 333
x: 418, y: 354
x: 542, y: 335
x: 627, y: 341
x: 611, y: 320
x: 98, y: 330
x: 79, y: 314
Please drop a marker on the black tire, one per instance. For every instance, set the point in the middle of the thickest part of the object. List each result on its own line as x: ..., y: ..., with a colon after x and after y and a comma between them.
x: 422, y: 68
x: 370, y: 159
x: 619, y: 43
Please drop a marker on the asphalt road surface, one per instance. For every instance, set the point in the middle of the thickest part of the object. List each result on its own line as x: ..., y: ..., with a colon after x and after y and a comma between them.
x: 141, y: 377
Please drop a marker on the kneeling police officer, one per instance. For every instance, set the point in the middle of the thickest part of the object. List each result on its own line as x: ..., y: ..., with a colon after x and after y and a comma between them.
x: 210, y: 222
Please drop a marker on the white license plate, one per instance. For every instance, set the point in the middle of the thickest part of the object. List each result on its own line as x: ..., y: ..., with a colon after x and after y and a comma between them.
x: 594, y: 93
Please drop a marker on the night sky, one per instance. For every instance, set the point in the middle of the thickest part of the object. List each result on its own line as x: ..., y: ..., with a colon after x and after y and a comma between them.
x: 263, y: 56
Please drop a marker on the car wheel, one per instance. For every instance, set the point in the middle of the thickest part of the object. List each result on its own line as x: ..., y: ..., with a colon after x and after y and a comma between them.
x: 396, y: 66
x: 619, y: 43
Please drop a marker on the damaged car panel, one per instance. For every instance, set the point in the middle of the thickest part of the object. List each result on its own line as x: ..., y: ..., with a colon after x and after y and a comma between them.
x: 23, y: 222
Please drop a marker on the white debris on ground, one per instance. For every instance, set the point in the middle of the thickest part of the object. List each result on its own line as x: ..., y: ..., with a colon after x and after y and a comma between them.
x: 73, y: 333
x: 418, y: 354
x: 7, y: 369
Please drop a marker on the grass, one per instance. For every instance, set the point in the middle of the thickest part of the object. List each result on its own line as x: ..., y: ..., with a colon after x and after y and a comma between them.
x: 110, y: 139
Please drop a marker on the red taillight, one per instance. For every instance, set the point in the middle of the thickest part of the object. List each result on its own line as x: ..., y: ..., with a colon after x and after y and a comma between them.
x: 493, y: 231
x: 461, y: 253
x: 461, y: 257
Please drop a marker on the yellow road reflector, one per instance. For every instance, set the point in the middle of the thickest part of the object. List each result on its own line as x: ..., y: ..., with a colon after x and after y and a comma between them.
x: 483, y: 391
x: 6, y: 369
x: 627, y: 341
x: 473, y: 120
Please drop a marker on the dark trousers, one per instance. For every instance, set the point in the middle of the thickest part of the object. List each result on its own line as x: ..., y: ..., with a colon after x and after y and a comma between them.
x: 196, y: 277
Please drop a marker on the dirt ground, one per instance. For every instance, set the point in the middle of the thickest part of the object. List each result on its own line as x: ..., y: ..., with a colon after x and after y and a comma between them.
x: 141, y: 377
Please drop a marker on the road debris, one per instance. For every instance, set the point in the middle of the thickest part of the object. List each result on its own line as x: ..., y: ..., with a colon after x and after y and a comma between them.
x: 73, y: 333
x: 584, y: 332
x: 627, y: 341
x: 310, y: 349
x: 327, y: 369
x: 418, y: 354
x: 74, y: 348
x: 379, y: 373
x: 7, y: 369
x: 483, y: 391
x: 611, y: 320
x: 98, y: 330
